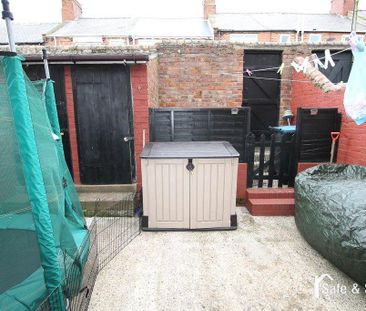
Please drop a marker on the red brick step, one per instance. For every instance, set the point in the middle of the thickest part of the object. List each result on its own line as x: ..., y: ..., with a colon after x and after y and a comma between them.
x: 271, y: 207
x: 270, y: 193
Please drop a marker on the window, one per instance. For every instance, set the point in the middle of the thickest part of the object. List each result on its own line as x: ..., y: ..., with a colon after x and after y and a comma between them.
x: 87, y: 40
x: 285, y: 38
x: 244, y: 38
x: 315, y: 38
x: 345, y: 38
x: 117, y: 42
x: 147, y: 42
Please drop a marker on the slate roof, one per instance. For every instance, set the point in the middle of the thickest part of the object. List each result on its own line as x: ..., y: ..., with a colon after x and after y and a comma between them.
x: 26, y: 33
x: 172, y: 28
x: 283, y: 22
x: 136, y: 27
x: 96, y: 27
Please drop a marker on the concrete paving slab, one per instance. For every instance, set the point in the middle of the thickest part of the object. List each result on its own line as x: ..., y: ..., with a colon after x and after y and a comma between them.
x: 264, y: 265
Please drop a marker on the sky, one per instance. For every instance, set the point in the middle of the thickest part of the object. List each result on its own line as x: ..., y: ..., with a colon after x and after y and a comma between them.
x: 50, y: 10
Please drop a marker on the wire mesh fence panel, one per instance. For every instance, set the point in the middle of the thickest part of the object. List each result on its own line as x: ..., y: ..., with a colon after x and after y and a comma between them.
x: 109, y: 231
x: 116, y: 227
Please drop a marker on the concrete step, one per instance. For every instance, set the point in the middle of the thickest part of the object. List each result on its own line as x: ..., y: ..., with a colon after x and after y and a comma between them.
x: 270, y: 193
x: 271, y: 207
x: 106, y: 188
x: 97, y: 202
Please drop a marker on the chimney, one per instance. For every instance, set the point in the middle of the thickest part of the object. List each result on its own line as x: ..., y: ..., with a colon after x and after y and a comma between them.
x: 71, y: 9
x: 341, y: 7
x: 209, y: 8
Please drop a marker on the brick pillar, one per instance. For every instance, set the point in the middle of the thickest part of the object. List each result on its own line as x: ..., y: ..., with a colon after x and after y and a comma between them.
x: 341, y: 7
x: 71, y: 10
x: 72, y: 124
x: 139, y: 88
x: 209, y: 8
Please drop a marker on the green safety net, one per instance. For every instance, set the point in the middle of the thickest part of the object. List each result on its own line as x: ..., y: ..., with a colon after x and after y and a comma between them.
x: 42, y: 227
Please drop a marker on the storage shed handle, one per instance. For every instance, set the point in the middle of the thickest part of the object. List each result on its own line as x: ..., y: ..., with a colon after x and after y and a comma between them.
x: 190, y: 166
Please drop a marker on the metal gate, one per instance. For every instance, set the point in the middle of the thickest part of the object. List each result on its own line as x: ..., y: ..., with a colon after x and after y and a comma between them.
x: 271, y: 163
x: 262, y: 90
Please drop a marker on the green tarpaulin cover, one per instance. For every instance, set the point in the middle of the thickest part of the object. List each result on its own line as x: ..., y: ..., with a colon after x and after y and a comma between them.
x: 330, y: 212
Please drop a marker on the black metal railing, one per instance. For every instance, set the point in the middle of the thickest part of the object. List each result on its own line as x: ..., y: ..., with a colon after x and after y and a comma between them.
x: 271, y: 163
x: 109, y: 231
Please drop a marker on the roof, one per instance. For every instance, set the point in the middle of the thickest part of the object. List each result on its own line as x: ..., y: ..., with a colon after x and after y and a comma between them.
x: 136, y: 27
x: 26, y: 33
x: 184, y: 150
x: 172, y: 28
x: 96, y: 27
x: 283, y: 22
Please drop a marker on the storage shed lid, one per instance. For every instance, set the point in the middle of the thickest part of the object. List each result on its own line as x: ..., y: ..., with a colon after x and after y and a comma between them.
x: 191, y: 149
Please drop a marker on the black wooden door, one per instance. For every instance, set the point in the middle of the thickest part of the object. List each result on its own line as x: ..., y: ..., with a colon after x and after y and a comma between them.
x: 104, y: 118
x: 262, y: 95
x: 341, y: 70
x: 36, y: 72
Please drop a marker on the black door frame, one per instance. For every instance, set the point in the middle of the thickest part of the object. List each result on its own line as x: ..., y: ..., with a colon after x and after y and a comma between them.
x: 258, y: 73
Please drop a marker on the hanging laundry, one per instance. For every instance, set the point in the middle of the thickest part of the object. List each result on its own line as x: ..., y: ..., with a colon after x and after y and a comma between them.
x: 249, y: 72
x: 355, y: 94
x: 327, y: 60
x: 303, y: 67
x: 280, y: 69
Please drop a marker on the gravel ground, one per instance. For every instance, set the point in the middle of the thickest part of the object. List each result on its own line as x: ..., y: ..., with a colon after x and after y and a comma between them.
x: 264, y: 265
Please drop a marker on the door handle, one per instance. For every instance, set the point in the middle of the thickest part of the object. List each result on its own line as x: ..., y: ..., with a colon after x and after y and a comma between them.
x: 127, y: 138
x: 190, y: 166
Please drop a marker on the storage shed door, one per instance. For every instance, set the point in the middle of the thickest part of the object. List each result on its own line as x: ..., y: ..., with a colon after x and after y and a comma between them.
x: 212, y: 192
x: 167, y: 193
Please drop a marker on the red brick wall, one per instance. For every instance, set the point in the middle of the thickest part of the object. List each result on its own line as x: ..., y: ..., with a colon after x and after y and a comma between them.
x: 153, y: 82
x: 71, y: 9
x: 139, y: 86
x: 352, y: 146
x: 341, y: 7
x: 241, y: 191
x: 70, y: 107
x: 200, y: 75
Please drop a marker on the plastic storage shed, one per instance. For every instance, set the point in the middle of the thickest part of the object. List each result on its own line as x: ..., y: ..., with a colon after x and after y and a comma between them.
x: 330, y: 213
x: 189, y: 185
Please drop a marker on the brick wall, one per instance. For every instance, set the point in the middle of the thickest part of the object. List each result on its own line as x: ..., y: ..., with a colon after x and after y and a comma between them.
x: 139, y: 86
x: 352, y: 146
x: 341, y: 7
x: 71, y: 9
x: 153, y: 82
x: 200, y: 75
x: 70, y: 107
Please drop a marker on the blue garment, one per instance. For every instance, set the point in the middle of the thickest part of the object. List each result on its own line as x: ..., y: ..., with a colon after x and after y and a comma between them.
x: 355, y: 94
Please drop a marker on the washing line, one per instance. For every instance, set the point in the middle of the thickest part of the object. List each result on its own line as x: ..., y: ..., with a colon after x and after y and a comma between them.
x: 310, y: 61
x: 267, y: 78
